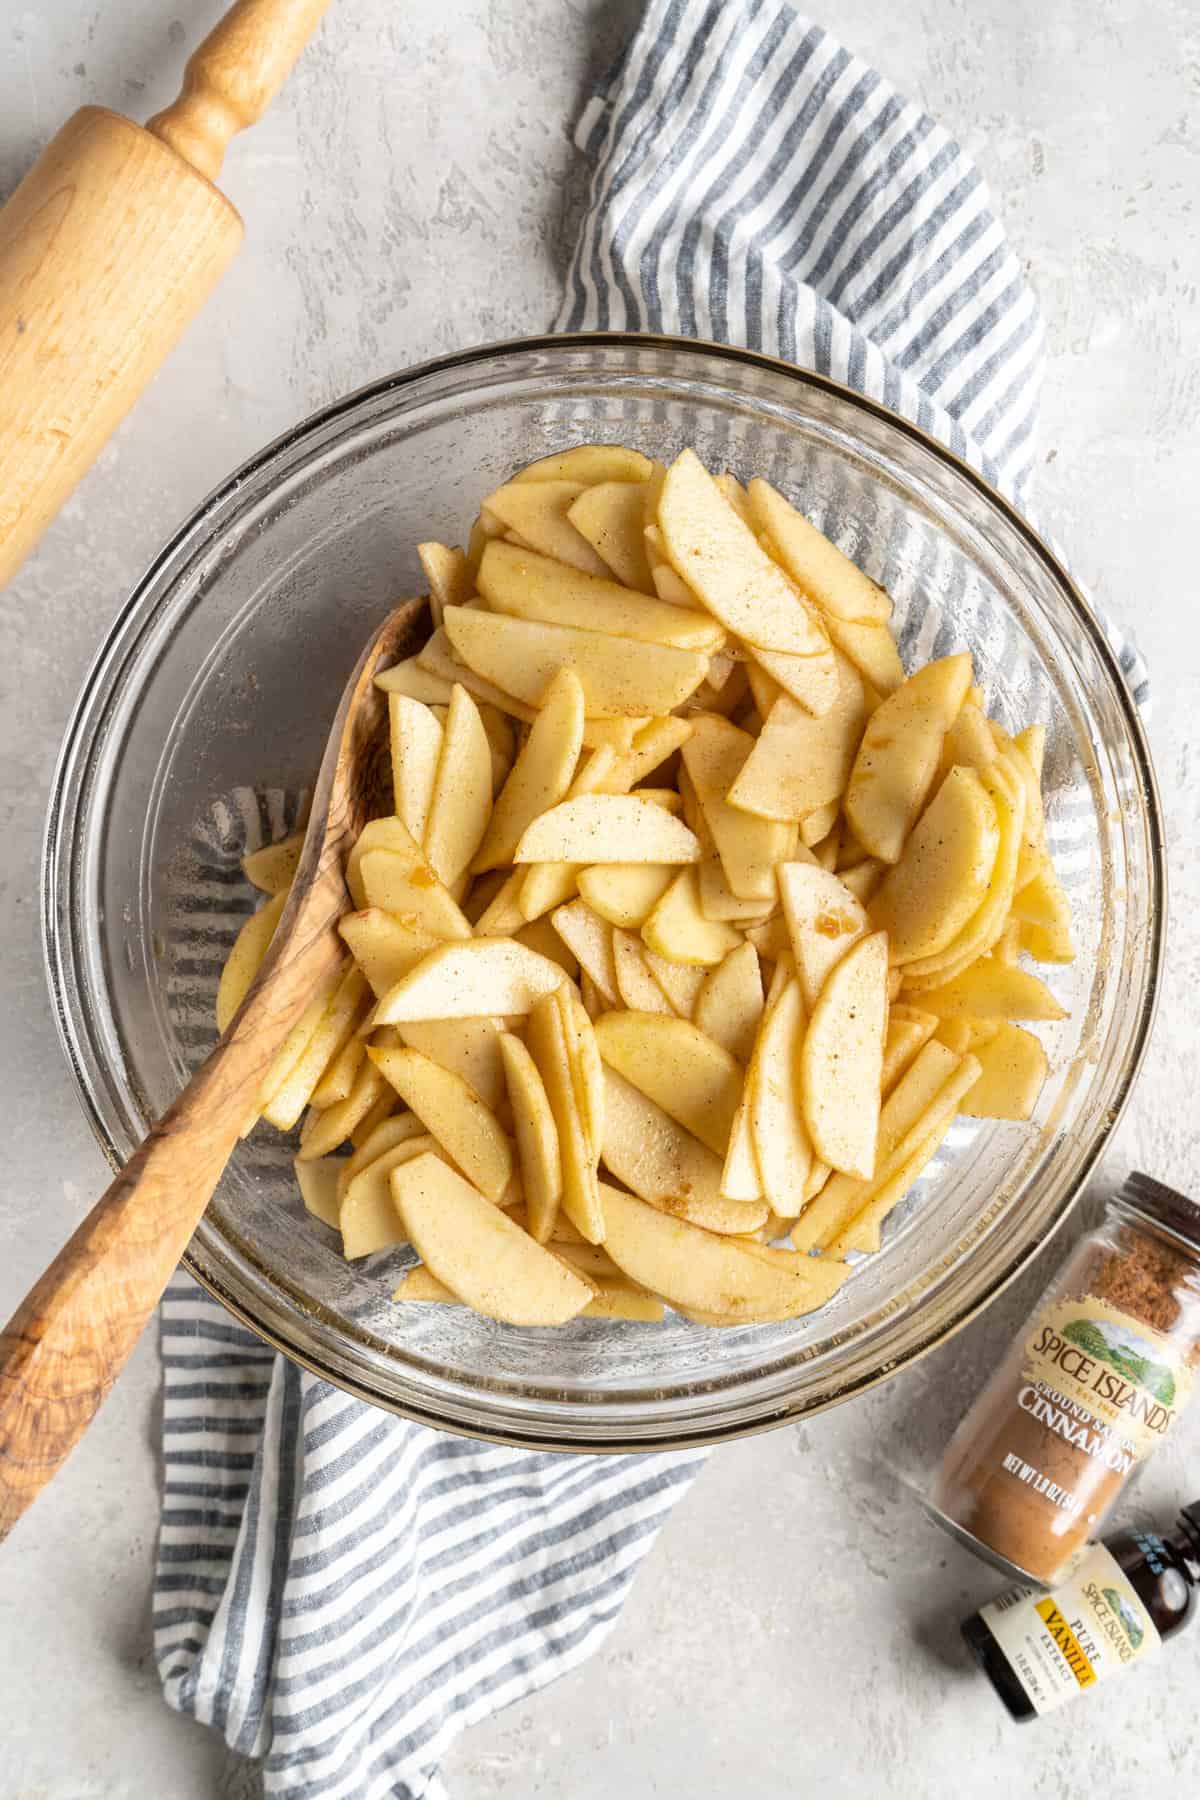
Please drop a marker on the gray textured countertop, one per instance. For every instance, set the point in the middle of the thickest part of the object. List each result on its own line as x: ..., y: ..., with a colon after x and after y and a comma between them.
x: 412, y: 191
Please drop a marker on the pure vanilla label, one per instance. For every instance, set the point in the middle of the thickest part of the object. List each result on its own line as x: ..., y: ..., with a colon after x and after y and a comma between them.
x: 1102, y: 1381
x: 1058, y: 1644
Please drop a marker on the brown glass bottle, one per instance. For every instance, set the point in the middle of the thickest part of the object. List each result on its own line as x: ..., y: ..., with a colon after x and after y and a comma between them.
x: 1162, y: 1572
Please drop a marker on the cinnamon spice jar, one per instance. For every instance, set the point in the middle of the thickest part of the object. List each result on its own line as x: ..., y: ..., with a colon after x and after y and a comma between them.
x: 1092, y: 1385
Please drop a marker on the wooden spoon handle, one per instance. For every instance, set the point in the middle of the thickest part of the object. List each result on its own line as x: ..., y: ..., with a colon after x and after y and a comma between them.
x: 233, y: 76
x: 72, y: 1335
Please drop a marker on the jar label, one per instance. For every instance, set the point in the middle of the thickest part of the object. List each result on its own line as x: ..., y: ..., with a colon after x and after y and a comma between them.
x: 1087, y: 1630
x: 1102, y: 1381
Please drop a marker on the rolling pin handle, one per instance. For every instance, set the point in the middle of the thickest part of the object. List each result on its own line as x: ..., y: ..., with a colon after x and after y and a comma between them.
x: 233, y: 76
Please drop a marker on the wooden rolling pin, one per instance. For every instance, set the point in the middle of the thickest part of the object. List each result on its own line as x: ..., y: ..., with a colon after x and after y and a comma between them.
x: 109, y: 248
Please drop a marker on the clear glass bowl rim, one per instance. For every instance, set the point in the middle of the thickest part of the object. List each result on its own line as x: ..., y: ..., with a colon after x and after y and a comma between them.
x: 136, y: 614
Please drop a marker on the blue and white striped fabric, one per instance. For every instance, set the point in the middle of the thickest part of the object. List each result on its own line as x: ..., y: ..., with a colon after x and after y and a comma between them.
x: 339, y: 1592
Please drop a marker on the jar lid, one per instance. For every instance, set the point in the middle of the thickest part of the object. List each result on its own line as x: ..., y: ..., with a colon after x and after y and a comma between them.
x: 1162, y: 1206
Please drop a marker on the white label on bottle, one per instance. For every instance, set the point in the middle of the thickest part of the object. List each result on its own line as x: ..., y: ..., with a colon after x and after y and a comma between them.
x: 1060, y: 1643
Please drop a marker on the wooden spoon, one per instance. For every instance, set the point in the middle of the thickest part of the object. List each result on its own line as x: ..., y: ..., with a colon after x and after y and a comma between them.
x: 71, y: 1336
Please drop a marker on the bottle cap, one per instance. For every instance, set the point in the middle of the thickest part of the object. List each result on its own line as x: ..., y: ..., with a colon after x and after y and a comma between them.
x: 1163, y: 1206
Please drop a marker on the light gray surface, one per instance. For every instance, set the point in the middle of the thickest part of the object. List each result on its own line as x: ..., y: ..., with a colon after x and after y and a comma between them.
x: 414, y: 190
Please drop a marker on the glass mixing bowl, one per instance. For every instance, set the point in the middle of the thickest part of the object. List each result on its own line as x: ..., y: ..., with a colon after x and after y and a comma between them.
x: 201, y: 726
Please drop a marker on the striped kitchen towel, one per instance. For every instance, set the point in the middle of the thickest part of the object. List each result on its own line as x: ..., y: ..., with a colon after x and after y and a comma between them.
x: 339, y: 1592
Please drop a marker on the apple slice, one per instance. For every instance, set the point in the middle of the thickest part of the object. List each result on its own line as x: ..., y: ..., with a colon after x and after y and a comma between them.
x: 461, y: 801
x: 968, y: 743
x: 672, y: 1062
x: 736, y: 495
x: 318, y: 1184
x: 667, y: 584
x: 820, y: 832
x: 872, y: 650
x: 985, y: 925
x: 416, y: 740
x: 271, y: 869
x: 527, y: 586
x: 418, y: 1284
x: 450, y: 578
x: 366, y: 1217
x: 1012, y: 1071
x: 810, y: 680
x: 437, y: 656
x: 824, y: 921
x: 993, y: 990
x: 324, y: 1131
x: 538, y: 513
x: 398, y: 1129
x: 717, y: 899
x: 452, y: 1112
x: 906, y: 1162
x: 652, y: 744
x: 1043, y: 912
x: 411, y: 677
x: 590, y: 940
x: 621, y: 1300
x: 842, y: 1059
x: 620, y: 676
x: 944, y: 870
x: 384, y: 948
x: 502, y: 915
x: 636, y: 985
x: 843, y: 1196
x: 589, y: 463
x: 502, y: 742
x: 547, y: 1042
x: 696, y: 1270
x: 541, y: 936
x: 583, y: 1057
x: 282, y: 1100
x: 909, y: 1030
x: 729, y: 1007
x: 625, y: 893
x: 721, y: 560
x: 593, y: 1000
x: 740, y: 1178
x: 663, y: 1163
x: 477, y: 1251
x: 680, y: 982
x: 471, y: 1047
x: 542, y: 773
x: 799, y: 762
x: 816, y: 565
x: 749, y: 847
x: 609, y: 515
x: 678, y: 930
x: 403, y: 881
x: 863, y: 879
x: 899, y: 754
x: 338, y: 1077
x: 782, y: 1146
x: 536, y: 1135
x: 245, y: 959
x: 607, y: 828
x: 492, y: 976
x: 771, y: 939
x: 545, y: 886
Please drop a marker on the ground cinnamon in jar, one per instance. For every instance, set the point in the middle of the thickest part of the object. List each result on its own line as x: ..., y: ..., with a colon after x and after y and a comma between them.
x: 1091, y: 1386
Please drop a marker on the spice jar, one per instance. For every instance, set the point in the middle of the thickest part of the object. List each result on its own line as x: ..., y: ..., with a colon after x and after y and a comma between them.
x: 1093, y: 1383
x: 1126, y: 1596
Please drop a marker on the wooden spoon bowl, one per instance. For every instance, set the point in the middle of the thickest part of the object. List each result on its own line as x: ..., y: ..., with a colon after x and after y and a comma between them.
x: 73, y: 1333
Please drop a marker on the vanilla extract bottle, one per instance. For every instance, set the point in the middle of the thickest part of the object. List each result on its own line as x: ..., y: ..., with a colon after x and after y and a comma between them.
x: 1125, y: 1596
